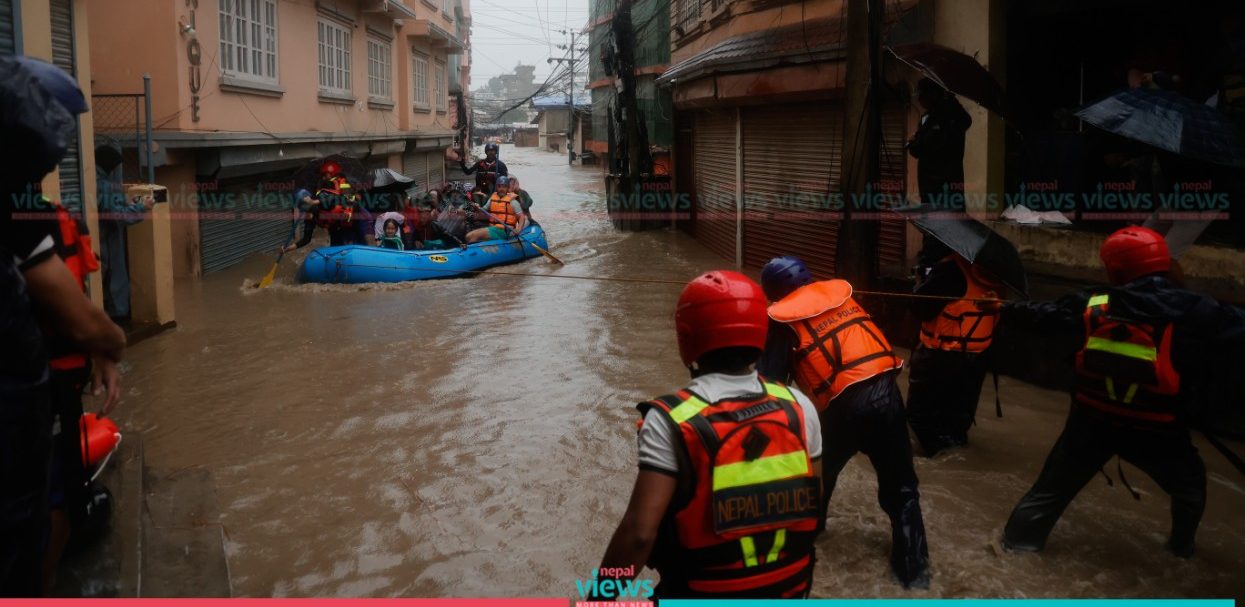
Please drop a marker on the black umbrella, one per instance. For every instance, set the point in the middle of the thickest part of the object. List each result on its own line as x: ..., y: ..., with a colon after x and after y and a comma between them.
x: 1169, y: 121
x: 975, y: 242
x: 308, y: 177
x: 389, y: 180
x: 954, y: 71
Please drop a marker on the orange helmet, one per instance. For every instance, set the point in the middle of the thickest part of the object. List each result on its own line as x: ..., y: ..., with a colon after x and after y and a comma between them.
x: 720, y: 309
x: 1133, y: 252
x: 330, y: 168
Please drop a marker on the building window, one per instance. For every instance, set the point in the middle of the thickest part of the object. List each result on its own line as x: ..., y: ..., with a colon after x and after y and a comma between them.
x: 439, y: 85
x: 419, y: 76
x: 687, y: 13
x: 379, y: 69
x: 333, y: 43
x: 248, y: 39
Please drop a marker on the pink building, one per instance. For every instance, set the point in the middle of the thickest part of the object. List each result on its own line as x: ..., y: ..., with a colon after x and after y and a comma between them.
x: 246, y: 91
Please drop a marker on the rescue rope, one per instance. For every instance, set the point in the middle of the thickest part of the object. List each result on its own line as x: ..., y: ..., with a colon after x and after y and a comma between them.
x: 661, y: 281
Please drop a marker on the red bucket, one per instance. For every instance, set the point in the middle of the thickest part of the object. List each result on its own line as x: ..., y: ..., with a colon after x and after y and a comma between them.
x: 99, y: 437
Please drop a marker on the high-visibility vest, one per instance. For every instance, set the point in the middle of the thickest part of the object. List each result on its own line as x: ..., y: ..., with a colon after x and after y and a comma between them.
x: 839, y: 343
x: 748, y: 503
x: 501, y: 207
x: 962, y: 326
x: 74, y: 248
x: 1125, y: 367
x: 337, y: 201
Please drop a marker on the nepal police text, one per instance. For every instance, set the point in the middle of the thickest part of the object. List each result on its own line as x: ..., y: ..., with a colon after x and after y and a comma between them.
x: 760, y: 506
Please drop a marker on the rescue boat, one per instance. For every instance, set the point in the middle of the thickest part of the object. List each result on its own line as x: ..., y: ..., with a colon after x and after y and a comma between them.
x: 355, y: 264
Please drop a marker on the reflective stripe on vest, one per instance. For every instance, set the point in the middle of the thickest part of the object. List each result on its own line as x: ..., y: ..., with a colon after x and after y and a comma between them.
x: 962, y: 325
x: 839, y: 343
x: 749, y: 501
x: 500, y: 207
x: 1124, y: 369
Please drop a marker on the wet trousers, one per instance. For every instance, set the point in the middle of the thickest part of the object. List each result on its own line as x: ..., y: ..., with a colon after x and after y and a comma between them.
x: 25, y: 450
x: 943, y: 389
x: 1086, y: 445
x: 868, y: 418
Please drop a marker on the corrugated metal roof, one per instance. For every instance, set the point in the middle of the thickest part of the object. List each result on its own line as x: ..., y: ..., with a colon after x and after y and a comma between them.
x: 559, y: 102
x: 808, y: 42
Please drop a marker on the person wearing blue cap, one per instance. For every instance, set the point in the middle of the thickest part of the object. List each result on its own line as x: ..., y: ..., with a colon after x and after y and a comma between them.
x: 504, y: 213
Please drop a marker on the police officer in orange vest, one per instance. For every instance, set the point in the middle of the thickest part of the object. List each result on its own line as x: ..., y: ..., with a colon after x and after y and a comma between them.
x: 837, y: 355
x: 1146, y: 346
x: 950, y: 363
x: 726, y: 504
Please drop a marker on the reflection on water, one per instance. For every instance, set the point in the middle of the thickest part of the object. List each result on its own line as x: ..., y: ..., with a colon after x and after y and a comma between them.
x: 475, y: 437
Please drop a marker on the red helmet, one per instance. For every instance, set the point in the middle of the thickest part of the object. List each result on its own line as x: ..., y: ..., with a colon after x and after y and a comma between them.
x: 720, y: 309
x: 1133, y: 252
x: 330, y: 168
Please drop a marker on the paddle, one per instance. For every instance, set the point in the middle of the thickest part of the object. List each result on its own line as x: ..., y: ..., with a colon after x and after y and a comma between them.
x: 272, y: 274
x: 509, y: 229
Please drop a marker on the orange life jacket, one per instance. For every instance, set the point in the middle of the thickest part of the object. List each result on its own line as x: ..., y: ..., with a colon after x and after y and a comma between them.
x: 747, y: 506
x: 341, y: 212
x: 839, y: 344
x: 74, y: 248
x: 1125, y: 367
x: 962, y: 325
x: 501, y: 207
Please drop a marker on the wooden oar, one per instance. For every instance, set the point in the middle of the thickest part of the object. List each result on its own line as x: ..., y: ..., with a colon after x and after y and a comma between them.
x: 509, y: 229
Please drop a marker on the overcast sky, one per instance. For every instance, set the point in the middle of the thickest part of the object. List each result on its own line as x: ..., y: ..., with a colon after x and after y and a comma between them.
x: 505, y: 32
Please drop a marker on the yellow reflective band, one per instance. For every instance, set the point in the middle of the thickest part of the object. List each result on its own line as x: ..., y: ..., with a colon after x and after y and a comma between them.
x: 1099, y: 300
x: 780, y: 539
x: 687, y: 409
x: 760, y: 470
x: 1132, y: 392
x: 778, y: 391
x: 750, y: 550
x: 1111, y: 389
x: 1122, y: 348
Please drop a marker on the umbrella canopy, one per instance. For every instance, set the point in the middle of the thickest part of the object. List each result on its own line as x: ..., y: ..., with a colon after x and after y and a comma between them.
x: 953, y: 71
x: 975, y: 242
x: 390, y: 179
x: 308, y: 177
x: 1169, y: 121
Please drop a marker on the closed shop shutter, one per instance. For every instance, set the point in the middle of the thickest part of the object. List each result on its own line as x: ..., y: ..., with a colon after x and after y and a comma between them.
x: 8, y: 28
x: 63, y: 57
x: 792, y: 166
x: 892, y: 233
x: 415, y: 166
x: 241, y: 218
x: 716, y: 215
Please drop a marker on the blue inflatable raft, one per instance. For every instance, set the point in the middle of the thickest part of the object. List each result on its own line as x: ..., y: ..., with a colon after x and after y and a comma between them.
x: 354, y: 264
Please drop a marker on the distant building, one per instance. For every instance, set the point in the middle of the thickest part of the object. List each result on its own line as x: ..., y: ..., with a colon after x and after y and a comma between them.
x: 554, y: 122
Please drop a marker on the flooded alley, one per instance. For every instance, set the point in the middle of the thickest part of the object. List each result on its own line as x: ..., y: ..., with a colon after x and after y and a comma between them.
x: 476, y: 436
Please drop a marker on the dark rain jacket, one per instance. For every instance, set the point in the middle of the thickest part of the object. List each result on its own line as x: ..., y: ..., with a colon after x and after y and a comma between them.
x: 938, y: 146
x: 1206, y: 334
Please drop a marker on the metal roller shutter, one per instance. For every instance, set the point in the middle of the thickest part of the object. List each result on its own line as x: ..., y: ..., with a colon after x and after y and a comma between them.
x: 240, y: 219
x: 8, y: 28
x: 788, y: 203
x: 63, y: 57
x: 415, y: 166
x: 893, y: 233
x: 716, y: 213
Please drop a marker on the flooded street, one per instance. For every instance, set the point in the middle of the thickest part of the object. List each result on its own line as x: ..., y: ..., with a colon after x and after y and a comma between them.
x: 475, y: 437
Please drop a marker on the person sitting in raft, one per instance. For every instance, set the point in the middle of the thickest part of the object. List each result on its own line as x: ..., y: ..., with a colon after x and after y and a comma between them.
x: 525, y: 199
x: 504, y: 213
x: 392, y: 236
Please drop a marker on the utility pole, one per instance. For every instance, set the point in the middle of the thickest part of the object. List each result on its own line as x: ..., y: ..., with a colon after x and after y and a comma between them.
x: 858, y: 237
x: 570, y: 88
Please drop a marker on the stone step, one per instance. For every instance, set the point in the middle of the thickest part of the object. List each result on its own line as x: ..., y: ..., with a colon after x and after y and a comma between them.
x: 183, y: 541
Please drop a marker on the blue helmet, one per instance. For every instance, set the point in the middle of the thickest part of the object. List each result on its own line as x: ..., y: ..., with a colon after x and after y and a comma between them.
x: 782, y: 275
x: 503, y: 180
x: 57, y: 82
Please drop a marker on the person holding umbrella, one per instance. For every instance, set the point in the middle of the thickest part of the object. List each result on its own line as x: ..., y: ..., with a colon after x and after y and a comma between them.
x: 1146, y: 348
x: 938, y: 146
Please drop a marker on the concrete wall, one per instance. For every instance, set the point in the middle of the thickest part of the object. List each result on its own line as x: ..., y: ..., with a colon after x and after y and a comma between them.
x: 751, y: 16
x: 976, y: 28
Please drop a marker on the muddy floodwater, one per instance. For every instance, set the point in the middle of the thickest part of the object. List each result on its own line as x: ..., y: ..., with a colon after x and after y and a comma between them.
x: 476, y: 436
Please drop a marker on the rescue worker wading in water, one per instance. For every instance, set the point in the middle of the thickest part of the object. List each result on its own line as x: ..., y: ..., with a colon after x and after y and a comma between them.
x: 828, y: 342
x: 1146, y: 347
x: 950, y: 363
x: 727, y: 499
x: 508, y: 218
x: 340, y: 213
